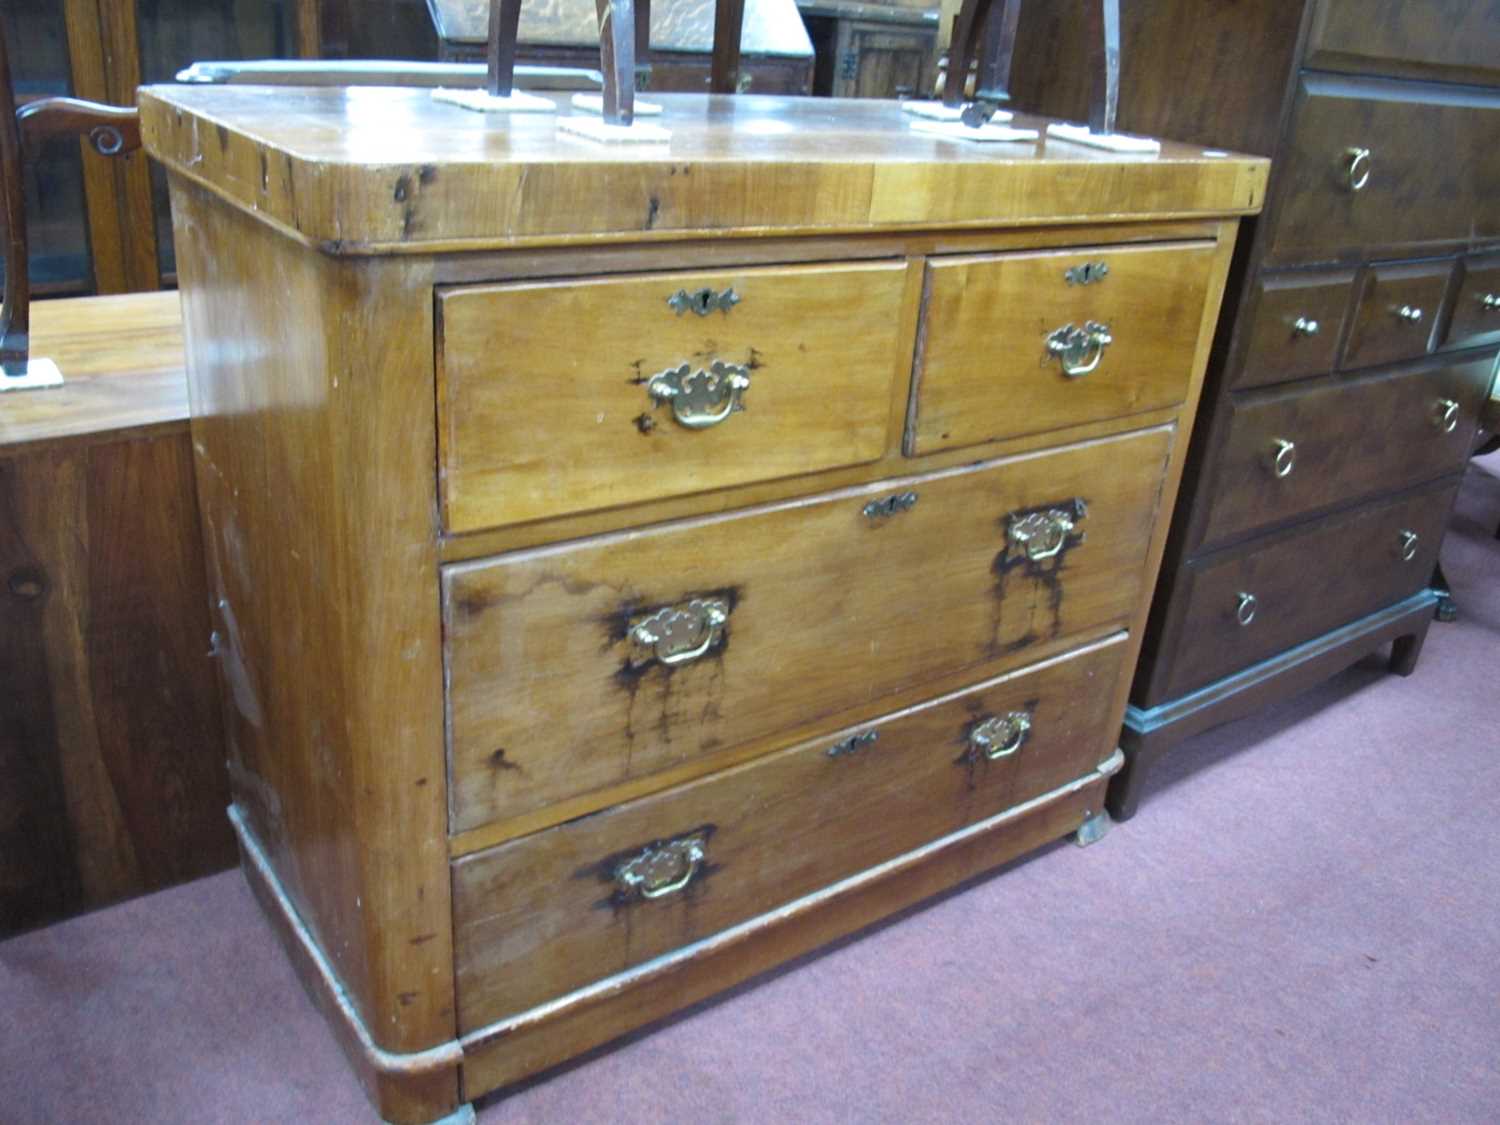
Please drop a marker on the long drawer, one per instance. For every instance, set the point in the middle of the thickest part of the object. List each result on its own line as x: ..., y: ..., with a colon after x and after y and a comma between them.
x: 1387, y: 164
x: 578, y: 666
x: 1017, y: 344
x: 571, y: 396
x: 1244, y: 605
x: 1294, y: 452
x: 542, y: 915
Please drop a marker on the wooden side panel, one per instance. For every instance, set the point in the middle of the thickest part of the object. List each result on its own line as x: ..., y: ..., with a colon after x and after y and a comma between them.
x: 543, y: 915
x: 111, y: 758
x: 1456, y: 40
x: 545, y: 407
x: 828, y: 608
x: 985, y: 372
x: 314, y: 428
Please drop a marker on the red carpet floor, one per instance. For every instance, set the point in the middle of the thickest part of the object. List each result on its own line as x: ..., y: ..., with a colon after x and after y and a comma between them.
x: 1301, y: 925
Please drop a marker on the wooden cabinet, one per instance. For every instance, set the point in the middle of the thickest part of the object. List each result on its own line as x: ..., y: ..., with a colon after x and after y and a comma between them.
x: 1357, y: 345
x: 872, y: 50
x: 594, y: 633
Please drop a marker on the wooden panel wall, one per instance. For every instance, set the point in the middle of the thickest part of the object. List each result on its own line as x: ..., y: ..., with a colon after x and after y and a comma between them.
x: 112, y: 778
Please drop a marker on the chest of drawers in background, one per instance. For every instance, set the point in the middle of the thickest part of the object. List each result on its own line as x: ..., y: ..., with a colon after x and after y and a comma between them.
x: 1357, y: 340
x: 607, y: 612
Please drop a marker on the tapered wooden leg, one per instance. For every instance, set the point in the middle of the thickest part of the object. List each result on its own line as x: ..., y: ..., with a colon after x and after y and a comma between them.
x: 1141, y: 753
x: 505, y: 21
x: 724, y: 71
x: 963, y: 46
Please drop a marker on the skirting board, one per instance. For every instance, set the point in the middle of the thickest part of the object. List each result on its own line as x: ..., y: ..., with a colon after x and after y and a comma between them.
x: 414, y: 1088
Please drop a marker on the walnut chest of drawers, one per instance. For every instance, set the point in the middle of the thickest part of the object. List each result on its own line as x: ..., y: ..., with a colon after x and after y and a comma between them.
x: 1356, y: 346
x: 634, y: 567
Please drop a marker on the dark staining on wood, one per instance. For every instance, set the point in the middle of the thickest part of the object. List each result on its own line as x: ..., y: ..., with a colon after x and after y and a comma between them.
x: 645, y: 423
x: 403, y: 189
x: 223, y: 133
x: 653, y: 208
x: 640, y: 376
x: 606, y: 870
x: 1045, y: 572
x: 426, y: 173
x: 265, y: 171
x: 27, y: 582
x: 499, y: 761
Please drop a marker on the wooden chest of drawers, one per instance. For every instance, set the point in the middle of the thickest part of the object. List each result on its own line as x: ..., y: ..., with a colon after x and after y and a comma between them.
x: 1357, y: 344
x: 632, y: 568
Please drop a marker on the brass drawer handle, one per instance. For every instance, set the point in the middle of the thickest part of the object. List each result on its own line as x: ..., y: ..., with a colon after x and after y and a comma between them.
x: 1490, y: 301
x: 1079, y: 350
x: 1043, y: 534
x: 1409, y: 313
x: 1445, y: 415
x: 1283, y: 457
x: 1409, y: 540
x: 1356, y: 168
x: 1305, y: 326
x: 1000, y: 736
x: 703, y: 301
x: 702, y: 398
x: 680, y: 633
x: 1244, y: 610
x: 663, y: 869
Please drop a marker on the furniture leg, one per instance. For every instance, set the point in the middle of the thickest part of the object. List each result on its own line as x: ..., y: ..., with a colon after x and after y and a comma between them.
x: 1407, y: 649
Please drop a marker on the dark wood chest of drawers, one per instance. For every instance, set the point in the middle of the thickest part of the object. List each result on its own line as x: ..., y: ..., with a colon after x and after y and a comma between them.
x: 633, y: 567
x: 1357, y: 341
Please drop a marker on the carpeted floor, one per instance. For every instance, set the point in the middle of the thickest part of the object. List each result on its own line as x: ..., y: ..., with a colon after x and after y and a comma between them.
x: 1301, y: 925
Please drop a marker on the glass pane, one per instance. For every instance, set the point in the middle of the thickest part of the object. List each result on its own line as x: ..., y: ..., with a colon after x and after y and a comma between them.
x: 176, y: 33
x: 56, y: 223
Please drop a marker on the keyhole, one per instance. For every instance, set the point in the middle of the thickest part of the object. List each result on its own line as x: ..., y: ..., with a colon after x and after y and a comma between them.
x: 703, y: 298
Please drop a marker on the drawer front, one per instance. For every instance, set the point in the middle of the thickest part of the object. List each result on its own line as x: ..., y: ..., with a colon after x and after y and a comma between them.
x: 1245, y: 605
x: 1398, y: 307
x: 559, y: 397
x: 1427, y: 174
x: 1476, y: 311
x: 1294, y: 326
x: 578, y: 667
x: 1459, y: 34
x: 1014, y: 344
x: 1350, y: 439
x: 545, y: 914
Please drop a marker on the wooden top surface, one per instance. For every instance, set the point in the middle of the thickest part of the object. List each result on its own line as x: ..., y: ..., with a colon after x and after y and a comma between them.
x: 122, y: 364
x: 383, y: 170
x: 771, y: 27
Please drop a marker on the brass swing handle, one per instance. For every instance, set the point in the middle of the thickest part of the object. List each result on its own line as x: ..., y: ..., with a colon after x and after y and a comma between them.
x: 1445, y: 415
x: 704, y: 397
x: 1000, y: 736
x: 678, y: 634
x: 662, y: 869
x: 1041, y: 535
x: 1079, y: 350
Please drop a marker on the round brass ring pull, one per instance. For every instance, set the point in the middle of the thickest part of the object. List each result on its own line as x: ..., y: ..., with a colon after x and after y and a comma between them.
x: 1490, y: 301
x: 1283, y: 457
x: 1409, y: 541
x: 1244, y: 611
x: 1357, y: 168
x: 1410, y: 313
x: 1305, y: 326
x: 1445, y: 415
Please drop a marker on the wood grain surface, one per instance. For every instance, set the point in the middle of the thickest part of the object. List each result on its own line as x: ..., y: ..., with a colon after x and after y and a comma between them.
x: 984, y: 371
x: 545, y: 409
x: 1340, y: 455
x: 543, y: 915
x: 828, y: 607
x: 1380, y: 333
x: 315, y: 436
x: 390, y: 171
x: 111, y: 752
x: 1272, y: 348
x: 1475, y: 320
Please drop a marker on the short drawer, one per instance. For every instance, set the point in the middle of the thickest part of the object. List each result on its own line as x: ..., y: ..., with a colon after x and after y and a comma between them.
x: 577, y: 667
x: 1444, y: 35
x: 1476, y: 310
x: 1247, y: 604
x: 542, y: 915
x: 1385, y: 164
x: 1294, y: 452
x: 571, y: 396
x: 1016, y: 344
x: 1398, y: 307
x: 1293, y: 326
